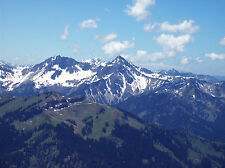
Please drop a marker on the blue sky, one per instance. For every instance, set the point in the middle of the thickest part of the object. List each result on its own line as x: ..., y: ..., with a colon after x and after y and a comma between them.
x: 156, y: 34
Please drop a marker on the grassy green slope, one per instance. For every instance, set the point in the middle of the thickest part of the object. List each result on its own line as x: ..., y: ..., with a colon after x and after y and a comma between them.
x: 73, y: 132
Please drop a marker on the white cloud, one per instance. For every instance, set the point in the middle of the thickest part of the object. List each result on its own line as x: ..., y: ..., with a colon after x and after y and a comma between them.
x: 187, y: 27
x: 139, y: 9
x: 90, y: 23
x: 215, y: 56
x: 172, y: 44
x: 199, y: 60
x: 185, y: 60
x: 116, y: 47
x: 65, y: 34
x: 149, y: 27
x: 222, y: 41
x: 109, y: 37
x: 141, y: 53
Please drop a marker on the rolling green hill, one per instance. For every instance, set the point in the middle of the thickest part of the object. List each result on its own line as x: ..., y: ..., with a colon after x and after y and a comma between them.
x: 54, y: 131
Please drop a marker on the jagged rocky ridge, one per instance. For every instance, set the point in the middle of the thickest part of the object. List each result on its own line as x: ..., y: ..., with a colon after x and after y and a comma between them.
x: 103, y: 82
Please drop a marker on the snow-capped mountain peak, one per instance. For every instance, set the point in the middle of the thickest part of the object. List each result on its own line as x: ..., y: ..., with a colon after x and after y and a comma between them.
x: 122, y: 61
x: 104, y: 82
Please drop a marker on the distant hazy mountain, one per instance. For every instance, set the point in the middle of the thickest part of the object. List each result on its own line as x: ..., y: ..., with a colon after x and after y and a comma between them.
x: 54, y: 131
x: 194, y: 111
x: 220, y: 78
x: 208, y: 78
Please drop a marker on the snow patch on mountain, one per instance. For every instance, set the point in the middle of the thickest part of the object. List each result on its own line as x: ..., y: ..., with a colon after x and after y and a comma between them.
x: 104, y: 82
x: 65, y: 79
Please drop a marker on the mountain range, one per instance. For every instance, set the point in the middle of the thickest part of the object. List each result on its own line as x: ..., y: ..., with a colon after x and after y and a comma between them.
x: 182, y: 101
x: 102, y: 82
x: 65, y: 113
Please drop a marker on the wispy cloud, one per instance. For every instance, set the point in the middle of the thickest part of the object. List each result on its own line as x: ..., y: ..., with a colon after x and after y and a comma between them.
x: 107, y: 10
x: 144, y: 55
x: 142, y: 58
x: 150, y: 27
x: 76, y: 49
x: 139, y: 9
x: 215, y: 56
x: 107, y: 38
x: 199, y: 60
x: 90, y: 23
x: 65, y: 34
x: 185, y: 60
